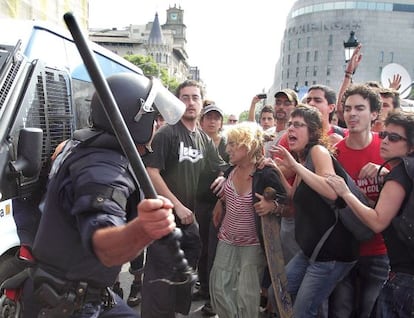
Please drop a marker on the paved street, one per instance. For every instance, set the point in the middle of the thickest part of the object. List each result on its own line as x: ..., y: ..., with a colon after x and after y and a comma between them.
x: 126, y: 279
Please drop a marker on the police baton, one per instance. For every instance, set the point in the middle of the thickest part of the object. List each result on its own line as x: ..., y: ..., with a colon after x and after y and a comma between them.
x: 124, y: 138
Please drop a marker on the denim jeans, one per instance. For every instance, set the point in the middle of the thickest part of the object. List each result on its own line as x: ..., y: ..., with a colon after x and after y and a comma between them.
x: 310, y: 283
x: 121, y: 309
x: 357, y: 293
x: 397, y: 297
x: 287, y: 238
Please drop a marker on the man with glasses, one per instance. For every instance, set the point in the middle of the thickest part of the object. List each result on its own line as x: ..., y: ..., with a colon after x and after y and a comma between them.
x: 232, y: 120
x: 285, y: 102
x: 359, y: 154
x: 180, y: 153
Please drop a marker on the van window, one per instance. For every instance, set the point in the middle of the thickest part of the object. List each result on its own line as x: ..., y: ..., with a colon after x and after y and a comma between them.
x: 60, y: 52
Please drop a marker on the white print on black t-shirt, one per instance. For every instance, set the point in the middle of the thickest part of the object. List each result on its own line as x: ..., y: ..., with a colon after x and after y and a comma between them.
x: 188, y: 153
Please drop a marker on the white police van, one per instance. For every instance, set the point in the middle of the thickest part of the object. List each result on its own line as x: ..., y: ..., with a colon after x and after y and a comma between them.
x: 45, y: 94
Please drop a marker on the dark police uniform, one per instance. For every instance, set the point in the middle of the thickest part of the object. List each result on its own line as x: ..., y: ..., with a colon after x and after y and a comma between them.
x: 90, y: 187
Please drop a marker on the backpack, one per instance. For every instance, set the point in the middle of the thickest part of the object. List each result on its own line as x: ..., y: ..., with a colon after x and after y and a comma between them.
x: 349, y: 219
x: 404, y: 221
x: 343, y: 213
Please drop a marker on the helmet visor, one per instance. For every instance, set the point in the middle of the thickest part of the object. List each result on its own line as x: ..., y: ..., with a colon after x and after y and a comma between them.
x: 169, y: 106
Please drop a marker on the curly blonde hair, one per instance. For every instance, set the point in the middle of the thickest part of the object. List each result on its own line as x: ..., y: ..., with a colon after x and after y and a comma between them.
x: 249, y: 135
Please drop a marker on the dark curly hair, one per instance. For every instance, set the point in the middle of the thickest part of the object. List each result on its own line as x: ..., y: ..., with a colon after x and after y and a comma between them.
x: 313, y: 119
x: 405, y: 120
x: 366, y: 92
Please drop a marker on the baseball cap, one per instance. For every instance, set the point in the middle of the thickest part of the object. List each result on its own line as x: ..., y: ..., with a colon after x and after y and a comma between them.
x: 210, y: 108
x: 290, y: 94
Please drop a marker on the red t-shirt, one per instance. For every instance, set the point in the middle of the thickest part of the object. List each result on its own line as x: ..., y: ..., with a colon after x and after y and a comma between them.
x: 353, y: 160
x: 284, y: 143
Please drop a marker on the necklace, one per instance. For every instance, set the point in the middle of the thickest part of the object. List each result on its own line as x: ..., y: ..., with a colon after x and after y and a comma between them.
x: 243, y: 173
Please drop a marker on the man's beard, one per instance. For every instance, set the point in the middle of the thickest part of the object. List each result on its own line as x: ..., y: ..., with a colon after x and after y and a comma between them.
x: 283, y: 117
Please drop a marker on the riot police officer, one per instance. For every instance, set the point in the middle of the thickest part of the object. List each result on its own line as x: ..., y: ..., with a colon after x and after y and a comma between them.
x: 83, y: 237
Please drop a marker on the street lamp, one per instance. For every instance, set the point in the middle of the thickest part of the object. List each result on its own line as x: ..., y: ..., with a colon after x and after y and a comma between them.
x: 350, y: 46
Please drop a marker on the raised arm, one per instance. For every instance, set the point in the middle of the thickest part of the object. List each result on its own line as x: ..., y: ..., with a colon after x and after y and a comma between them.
x: 252, y: 109
x: 395, y: 83
x: 349, y: 72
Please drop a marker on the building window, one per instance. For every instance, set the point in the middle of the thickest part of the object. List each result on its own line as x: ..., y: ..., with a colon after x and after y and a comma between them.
x: 315, y: 57
x: 297, y: 72
x: 307, y: 71
x: 381, y: 57
x: 289, y: 45
x: 287, y: 73
x: 330, y: 53
x: 288, y: 62
x: 391, y: 57
x: 330, y: 41
x: 298, y: 58
x: 308, y: 41
x: 307, y: 56
x: 299, y: 40
x: 315, y: 70
x: 328, y: 71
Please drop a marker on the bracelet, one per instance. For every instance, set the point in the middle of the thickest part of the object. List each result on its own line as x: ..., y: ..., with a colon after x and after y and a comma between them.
x: 347, y: 75
x: 275, y: 208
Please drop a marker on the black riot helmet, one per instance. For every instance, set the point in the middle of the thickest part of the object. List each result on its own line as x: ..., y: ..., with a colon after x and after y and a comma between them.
x: 138, y: 99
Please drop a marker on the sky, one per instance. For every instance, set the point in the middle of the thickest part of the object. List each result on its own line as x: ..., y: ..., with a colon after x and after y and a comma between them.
x: 235, y: 44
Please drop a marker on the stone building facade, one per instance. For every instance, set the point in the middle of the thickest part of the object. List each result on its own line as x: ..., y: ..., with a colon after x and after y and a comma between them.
x: 312, y: 50
x: 165, y: 43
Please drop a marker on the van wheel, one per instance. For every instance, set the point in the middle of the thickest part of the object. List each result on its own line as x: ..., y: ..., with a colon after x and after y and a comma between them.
x: 9, y: 308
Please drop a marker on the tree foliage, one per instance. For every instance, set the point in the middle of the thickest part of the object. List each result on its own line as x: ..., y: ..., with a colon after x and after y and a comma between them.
x: 244, y: 116
x: 151, y: 68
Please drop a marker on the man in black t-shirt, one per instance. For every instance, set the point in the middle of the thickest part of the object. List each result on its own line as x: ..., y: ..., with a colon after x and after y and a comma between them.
x: 180, y: 153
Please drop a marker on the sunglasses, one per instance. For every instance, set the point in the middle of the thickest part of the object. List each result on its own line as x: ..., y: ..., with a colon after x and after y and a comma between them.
x: 285, y: 103
x: 393, y: 137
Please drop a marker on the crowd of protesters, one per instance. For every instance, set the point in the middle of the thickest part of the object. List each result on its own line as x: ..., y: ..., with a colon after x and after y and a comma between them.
x: 216, y: 183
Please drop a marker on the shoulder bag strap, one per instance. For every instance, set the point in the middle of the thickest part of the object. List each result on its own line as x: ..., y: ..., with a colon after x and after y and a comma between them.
x: 318, y: 247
